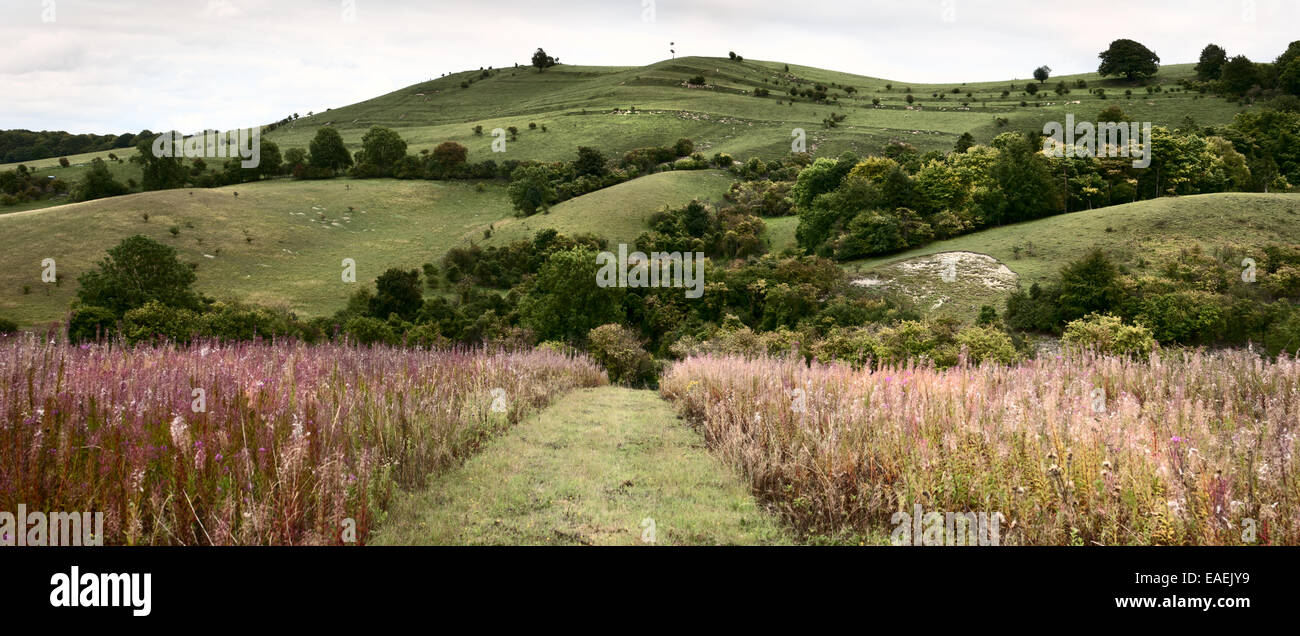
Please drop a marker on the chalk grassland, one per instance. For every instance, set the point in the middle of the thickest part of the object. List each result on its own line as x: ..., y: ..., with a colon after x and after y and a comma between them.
x: 291, y: 440
x: 294, y: 254
x: 578, y: 105
x: 1193, y: 448
x: 619, y: 213
x: 277, y: 242
x: 301, y: 231
x: 592, y: 106
x: 1139, y: 236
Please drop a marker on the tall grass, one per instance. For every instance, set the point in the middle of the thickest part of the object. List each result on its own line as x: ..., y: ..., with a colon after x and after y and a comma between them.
x: 294, y: 438
x: 1188, y: 449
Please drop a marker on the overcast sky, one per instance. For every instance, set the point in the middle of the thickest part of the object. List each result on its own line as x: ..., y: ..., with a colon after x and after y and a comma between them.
x: 113, y: 66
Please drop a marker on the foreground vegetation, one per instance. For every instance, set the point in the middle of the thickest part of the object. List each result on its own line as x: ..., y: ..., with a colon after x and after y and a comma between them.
x: 604, y: 466
x: 251, y: 443
x: 1189, y: 448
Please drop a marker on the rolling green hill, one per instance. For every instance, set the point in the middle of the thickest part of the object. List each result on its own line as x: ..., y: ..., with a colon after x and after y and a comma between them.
x: 619, y: 213
x: 1138, y: 235
x: 300, y: 230
x: 589, y: 105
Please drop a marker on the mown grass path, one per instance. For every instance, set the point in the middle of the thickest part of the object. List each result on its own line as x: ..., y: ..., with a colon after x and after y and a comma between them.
x: 591, y: 469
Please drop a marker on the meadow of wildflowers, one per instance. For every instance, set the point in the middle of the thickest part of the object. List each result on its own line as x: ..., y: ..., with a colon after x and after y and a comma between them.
x: 282, y: 444
x: 1188, y: 448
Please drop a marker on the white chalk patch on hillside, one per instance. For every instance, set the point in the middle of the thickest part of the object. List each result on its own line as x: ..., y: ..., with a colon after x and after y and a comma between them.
x: 922, y: 278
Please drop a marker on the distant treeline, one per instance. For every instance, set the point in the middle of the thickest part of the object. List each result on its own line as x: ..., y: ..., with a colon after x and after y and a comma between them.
x: 25, y: 145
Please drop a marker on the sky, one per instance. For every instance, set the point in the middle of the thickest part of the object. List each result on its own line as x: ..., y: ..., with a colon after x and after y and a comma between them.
x: 115, y: 66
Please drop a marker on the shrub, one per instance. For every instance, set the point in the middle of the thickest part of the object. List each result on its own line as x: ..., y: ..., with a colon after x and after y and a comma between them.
x: 1283, y: 336
x: 98, y: 182
x: 1113, y: 114
x: 89, y: 323
x: 450, y: 154
x: 618, y: 349
x: 1089, y: 285
x: 987, y: 344
x: 913, y: 340
x: 7, y: 326
x: 1186, y: 316
x: 242, y: 322
x: 1107, y: 334
x: 383, y: 147
x: 397, y: 291
x: 328, y: 153
x: 854, y: 345
x: 368, y: 331
x: 136, y: 271
x: 530, y: 189
x: 590, y: 162
x: 155, y: 321
x: 426, y: 336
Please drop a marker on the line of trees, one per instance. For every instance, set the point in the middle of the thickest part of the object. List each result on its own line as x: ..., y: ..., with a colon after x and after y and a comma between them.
x: 1240, y: 77
x: 27, y: 145
x: 852, y: 208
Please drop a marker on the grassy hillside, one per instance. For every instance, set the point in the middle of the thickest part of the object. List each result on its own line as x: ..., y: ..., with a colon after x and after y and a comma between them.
x: 78, y: 165
x: 299, y: 231
x: 619, y: 213
x: 294, y: 253
x: 578, y: 105
x: 1139, y: 235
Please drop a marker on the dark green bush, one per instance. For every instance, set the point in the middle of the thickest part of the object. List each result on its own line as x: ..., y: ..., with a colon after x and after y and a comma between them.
x: 89, y: 323
x: 368, y: 331
x: 618, y: 349
x: 155, y: 321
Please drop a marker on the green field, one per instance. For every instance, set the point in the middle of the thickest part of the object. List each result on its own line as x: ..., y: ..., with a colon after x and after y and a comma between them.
x: 1138, y: 235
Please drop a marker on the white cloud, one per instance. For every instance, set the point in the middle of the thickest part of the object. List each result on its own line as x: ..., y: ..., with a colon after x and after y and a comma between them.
x: 122, y: 66
x: 220, y: 9
x: 42, y: 51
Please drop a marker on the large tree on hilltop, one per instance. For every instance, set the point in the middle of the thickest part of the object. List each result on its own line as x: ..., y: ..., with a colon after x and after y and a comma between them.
x: 1128, y: 58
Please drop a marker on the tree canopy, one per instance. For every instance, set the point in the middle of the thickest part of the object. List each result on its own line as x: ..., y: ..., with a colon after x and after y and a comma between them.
x: 541, y: 60
x: 328, y: 151
x: 1128, y: 58
x: 383, y: 147
x: 137, y: 271
x: 1211, y: 63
